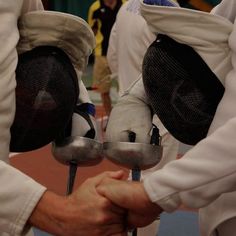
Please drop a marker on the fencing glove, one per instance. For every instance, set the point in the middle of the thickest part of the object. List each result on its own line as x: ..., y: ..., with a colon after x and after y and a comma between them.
x: 132, y: 113
x: 53, y: 51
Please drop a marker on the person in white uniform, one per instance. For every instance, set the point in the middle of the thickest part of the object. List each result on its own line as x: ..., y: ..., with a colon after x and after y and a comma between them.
x: 128, y: 44
x: 205, y: 176
x: 24, y: 202
x: 129, y: 39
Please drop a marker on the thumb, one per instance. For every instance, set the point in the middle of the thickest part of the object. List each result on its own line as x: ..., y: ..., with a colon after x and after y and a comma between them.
x: 108, y: 174
x: 116, y: 174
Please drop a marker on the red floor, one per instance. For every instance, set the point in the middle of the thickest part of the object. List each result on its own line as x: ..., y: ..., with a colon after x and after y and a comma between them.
x: 42, y: 167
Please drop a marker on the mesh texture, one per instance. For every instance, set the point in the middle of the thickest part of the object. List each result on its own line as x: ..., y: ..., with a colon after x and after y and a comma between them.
x: 46, y: 95
x: 181, y: 88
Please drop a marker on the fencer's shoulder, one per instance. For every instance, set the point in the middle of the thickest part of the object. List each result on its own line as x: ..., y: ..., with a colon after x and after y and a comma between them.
x: 133, y: 6
x: 227, y: 9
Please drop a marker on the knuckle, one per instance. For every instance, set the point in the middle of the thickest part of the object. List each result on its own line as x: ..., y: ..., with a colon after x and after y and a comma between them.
x: 104, y: 203
x: 102, y: 218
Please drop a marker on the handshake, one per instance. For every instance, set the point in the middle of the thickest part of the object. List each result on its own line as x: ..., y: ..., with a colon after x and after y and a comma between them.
x: 106, y: 204
x: 109, y: 205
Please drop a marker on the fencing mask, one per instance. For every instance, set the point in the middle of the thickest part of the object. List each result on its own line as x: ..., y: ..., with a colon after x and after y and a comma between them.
x: 46, y: 94
x: 184, y: 69
x: 51, y: 45
x: 181, y: 88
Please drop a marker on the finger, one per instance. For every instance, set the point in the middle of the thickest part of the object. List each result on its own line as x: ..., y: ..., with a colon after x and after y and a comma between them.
x: 114, y: 209
x: 117, y: 174
x: 117, y: 209
x: 108, y: 212
x: 138, y: 220
x: 117, y: 191
x: 114, y: 229
x: 116, y: 215
x: 108, y: 174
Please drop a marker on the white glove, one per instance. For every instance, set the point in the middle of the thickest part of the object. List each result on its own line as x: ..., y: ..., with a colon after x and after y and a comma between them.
x: 131, y: 113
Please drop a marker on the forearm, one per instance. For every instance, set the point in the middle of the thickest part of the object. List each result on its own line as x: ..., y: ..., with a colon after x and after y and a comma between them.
x: 50, y: 214
x: 18, y: 196
x: 202, y: 175
x: 82, y: 213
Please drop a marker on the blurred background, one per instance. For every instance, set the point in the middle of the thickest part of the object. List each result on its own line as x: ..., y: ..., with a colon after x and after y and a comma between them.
x: 43, y: 168
x: 80, y: 7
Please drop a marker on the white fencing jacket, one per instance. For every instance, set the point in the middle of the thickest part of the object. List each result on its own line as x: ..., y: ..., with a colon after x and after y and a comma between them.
x: 208, y: 170
x: 129, y: 40
x: 18, y: 193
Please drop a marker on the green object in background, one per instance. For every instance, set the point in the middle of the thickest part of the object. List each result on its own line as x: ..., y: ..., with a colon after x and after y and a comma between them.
x: 75, y: 7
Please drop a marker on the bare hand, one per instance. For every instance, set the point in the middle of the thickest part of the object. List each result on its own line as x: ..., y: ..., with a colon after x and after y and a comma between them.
x: 95, y: 214
x: 131, y: 196
x: 85, y: 212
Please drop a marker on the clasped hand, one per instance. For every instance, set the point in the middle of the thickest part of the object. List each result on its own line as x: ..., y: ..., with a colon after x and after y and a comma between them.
x: 107, y: 205
x: 131, y: 196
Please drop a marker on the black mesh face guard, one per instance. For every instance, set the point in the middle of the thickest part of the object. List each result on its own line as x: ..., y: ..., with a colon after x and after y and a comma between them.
x: 46, y: 95
x: 181, y: 88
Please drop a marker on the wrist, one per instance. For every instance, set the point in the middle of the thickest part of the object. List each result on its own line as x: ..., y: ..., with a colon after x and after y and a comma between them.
x: 152, y: 207
x: 50, y: 214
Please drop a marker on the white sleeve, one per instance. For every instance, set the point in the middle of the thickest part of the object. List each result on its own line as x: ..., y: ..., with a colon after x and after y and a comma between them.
x: 227, y: 9
x: 18, y: 193
x: 112, y: 51
x: 209, y: 169
x: 205, y: 172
